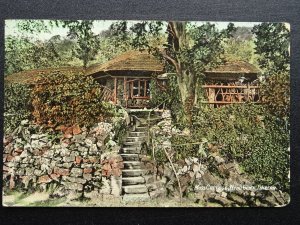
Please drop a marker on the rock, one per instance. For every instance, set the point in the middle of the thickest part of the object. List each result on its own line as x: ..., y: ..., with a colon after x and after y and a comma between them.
x: 77, y: 172
x: 44, y: 179
x: 93, y: 149
x: 73, y: 186
x: 89, y: 141
x: 116, y: 185
x: 209, y: 179
x: 224, y: 194
x: 87, y: 177
x: 54, y: 176
x: 223, y: 201
x: 76, y: 180
x: 67, y: 165
x: 87, y: 170
x: 239, y: 200
x: 196, y: 167
x: 61, y: 171
x: 78, y: 159
x: 219, y: 160
x: 37, y: 172
x: 105, y: 188
x: 278, y: 197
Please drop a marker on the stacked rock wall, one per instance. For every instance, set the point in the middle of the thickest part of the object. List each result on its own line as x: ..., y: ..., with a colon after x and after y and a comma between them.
x: 77, y: 162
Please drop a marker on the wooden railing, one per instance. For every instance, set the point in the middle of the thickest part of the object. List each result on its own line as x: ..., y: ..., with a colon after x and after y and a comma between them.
x: 106, y: 94
x: 231, y: 94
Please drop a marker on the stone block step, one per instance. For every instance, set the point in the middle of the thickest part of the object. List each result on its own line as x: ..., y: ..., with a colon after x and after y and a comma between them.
x: 136, y: 197
x: 141, y: 129
x: 132, y: 164
x: 132, y: 143
x: 131, y: 139
x: 132, y: 180
x: 133, y: 172
x: 135, y: 189
x: 136, y: 134
x: 130, y: 157
x: 131, y: 150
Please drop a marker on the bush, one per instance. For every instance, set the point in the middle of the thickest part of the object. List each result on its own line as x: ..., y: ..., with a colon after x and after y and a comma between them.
x: 68, y: 99
x: 17, y: 105
x: 275, y: 92
x: 169, y: 97
x: 245, y: 133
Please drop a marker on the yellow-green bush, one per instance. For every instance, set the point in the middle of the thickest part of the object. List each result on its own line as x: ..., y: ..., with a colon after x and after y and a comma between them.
x: 249, y: 134
x: 17, y: 105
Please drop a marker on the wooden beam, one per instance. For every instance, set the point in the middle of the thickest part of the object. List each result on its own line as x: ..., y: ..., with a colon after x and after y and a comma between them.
x: 115, y: 90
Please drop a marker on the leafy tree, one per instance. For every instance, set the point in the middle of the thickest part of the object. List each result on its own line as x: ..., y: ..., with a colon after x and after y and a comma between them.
x: 21, y: 53
x: 272, y: 44
x: 188, y: 48
x: 18, y: 54
x: 88, y: 42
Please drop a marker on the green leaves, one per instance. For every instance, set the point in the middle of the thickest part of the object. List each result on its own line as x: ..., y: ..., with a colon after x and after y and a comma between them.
x: 68, y: 98
x: 17, y: 105
x: 275, y: 92
x: 272, y: 43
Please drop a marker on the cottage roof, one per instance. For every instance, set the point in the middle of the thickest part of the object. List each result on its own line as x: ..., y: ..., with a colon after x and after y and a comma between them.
x: 232, y: 71
x: 129, y: 61
x: 30, y: 76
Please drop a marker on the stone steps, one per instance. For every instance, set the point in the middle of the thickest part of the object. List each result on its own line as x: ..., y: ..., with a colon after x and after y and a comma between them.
x: 136, y: 197
x: 136, y: 134
x: 133, y: 177
x: 133, y: 172
x: 132, y: 180
x: 141, y: 129
x: 131, y: 139
x: 131, y: 150
x: 135, y: 189
x: 130, y: 157
x: 132, y: 143
x: 132, y: 164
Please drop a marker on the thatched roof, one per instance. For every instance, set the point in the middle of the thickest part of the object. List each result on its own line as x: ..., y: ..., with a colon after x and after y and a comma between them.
x: 232, y: 71
x: 30, y: 76
x: 128, y: 61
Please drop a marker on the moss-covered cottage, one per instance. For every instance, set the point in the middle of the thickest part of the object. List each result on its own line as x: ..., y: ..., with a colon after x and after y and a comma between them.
x: 126, y: 80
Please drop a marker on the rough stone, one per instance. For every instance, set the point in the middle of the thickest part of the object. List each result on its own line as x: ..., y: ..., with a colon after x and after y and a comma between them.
x: 61, y: 171
x: 77, y: 172
x: 73, y: 186
x: 44, y: 179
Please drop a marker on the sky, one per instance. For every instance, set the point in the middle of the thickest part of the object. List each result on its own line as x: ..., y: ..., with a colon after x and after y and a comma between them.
x: 99, y: 25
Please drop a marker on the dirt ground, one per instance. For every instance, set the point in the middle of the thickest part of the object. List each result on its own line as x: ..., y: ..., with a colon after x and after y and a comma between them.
x: 42, y: 199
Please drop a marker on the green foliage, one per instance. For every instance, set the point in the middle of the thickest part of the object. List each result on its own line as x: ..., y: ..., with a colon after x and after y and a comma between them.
x: 272, y: 44
x: 88, y: 42
x: 68, y: 99
x: 17, y: 105
x: 240, y: 50
x: 24, y: 54
x: 258, y: 141
x: 275, y: 92
x: 167, y: 95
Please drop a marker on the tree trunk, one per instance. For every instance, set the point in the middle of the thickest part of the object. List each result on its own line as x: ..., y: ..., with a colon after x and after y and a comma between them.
x: 186, y: 83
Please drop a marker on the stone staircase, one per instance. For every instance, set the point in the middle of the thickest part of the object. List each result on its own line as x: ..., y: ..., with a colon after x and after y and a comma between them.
x: 133, y: 176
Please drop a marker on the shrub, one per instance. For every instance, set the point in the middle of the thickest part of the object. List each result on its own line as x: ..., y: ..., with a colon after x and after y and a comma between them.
x: 17, y: 105
x: 275, y: 93
x: 245, y: 133
x: 169, y: 96
x: 68, y: 99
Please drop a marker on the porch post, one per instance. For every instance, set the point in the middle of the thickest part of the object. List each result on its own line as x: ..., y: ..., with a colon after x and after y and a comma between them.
x: 115, y: 90
x: 125, y: 90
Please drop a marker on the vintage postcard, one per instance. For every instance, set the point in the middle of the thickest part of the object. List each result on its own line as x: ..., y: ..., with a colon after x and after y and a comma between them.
x: 130, y: 113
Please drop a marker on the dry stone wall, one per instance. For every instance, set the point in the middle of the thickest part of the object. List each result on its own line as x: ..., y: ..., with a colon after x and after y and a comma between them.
x: 78, y: 162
